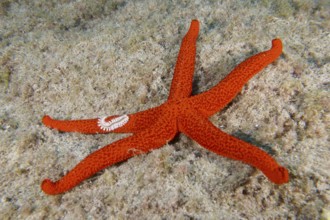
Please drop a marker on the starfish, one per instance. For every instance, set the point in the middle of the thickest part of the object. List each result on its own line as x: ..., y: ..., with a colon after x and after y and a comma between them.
x: 182, y: 112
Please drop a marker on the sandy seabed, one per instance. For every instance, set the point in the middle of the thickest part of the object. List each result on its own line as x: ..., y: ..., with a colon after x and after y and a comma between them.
x: 85, y: 59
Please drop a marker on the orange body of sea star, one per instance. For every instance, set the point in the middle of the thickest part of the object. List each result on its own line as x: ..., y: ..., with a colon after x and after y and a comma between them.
x: 181, y: 112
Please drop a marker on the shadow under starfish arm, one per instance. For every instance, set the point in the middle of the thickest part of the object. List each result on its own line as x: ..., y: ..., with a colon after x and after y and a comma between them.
x: 207, y: 135
x: 219, y: 96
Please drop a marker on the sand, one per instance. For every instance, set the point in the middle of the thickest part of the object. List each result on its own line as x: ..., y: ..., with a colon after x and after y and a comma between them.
x: 85, y: 59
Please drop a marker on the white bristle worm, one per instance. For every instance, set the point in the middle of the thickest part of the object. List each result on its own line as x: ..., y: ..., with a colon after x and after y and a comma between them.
x: 113, y: 123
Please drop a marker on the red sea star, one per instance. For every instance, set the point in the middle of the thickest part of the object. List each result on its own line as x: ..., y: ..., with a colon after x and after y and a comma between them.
x: 181, y: 112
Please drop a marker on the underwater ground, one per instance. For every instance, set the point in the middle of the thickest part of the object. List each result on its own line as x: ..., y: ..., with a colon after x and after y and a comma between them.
x: 85, y: 59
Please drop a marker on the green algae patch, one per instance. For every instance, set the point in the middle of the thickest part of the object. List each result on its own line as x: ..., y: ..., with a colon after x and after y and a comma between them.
x: 4, y: 78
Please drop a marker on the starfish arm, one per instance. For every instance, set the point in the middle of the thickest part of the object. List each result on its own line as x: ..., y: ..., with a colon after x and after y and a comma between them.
x: 219, y: 96
x: 206, y: 134
x: 184, y: 69
x: 131, y: 123
x: 118, y: 151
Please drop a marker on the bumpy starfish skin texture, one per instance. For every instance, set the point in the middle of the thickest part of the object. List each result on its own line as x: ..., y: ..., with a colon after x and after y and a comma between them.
x: 181, y: 112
